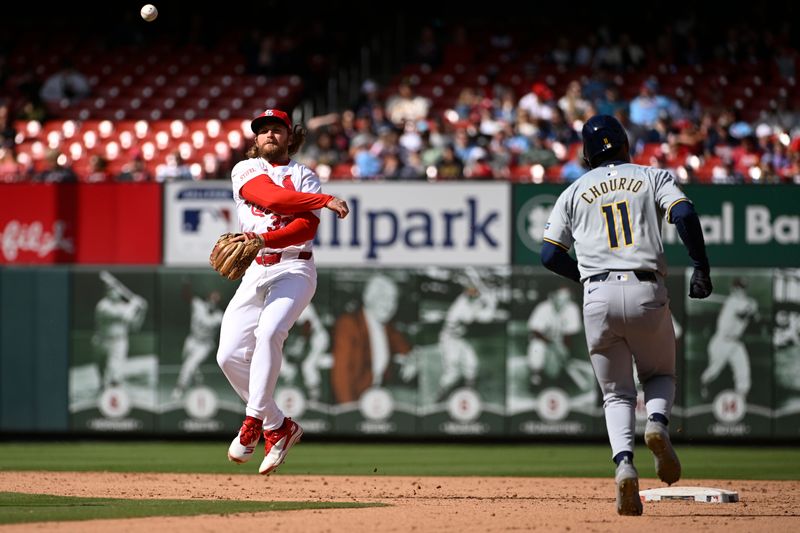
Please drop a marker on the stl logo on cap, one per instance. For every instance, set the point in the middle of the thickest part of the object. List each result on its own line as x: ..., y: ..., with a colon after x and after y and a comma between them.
x: 270, y: 115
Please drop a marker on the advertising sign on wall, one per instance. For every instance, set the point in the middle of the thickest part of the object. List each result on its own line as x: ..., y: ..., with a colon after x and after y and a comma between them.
x: 195, y: 214
x: 417, y: 224
x: 388, y: 224
x: 80, y: 223
x: 37, y: 224
x: 118, y: 223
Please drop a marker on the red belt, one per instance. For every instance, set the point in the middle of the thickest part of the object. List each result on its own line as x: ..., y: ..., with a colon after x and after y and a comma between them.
x: 271, y: 259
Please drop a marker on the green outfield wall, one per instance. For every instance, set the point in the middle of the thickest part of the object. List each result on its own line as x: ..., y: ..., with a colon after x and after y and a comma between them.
x: 34, y: 355
x: 465, y: 352
x: 495, y: 349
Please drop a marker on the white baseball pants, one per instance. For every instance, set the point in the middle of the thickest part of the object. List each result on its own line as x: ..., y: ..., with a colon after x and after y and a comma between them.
x: 254, y: 328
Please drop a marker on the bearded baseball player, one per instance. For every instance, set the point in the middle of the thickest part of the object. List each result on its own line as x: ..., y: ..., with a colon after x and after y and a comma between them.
x: 277, y: 201
x: 613, y: 215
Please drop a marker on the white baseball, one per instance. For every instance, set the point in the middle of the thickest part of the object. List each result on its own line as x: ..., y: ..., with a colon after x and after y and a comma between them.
x: 149, y: 12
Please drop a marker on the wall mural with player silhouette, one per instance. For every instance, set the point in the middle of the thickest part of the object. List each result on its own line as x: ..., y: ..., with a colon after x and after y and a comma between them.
x: 193, y: 395
x: 428, y: 352
x: 113, y: 370
x: 729, y: 376
x: 461, y: 350
x: 551, y: 386
x: 373, y: 372
x: 786, y: 343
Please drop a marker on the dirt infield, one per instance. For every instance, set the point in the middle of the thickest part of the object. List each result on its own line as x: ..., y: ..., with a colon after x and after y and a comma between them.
x: 460, y: 504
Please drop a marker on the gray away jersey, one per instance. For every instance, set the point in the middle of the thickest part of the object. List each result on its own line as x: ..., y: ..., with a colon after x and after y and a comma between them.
x: 613, y: 215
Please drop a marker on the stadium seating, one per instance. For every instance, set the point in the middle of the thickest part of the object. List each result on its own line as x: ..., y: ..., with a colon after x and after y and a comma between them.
x: 197, y: 85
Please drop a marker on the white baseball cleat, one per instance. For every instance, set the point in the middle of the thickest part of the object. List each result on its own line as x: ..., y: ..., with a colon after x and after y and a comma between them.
x: 668, y: 466
x: 627, y: 479
x: 277, y: 444
x: 244, y: 444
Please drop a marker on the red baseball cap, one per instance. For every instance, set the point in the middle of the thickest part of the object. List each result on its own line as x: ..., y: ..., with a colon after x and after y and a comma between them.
x: 542, y: 91
x: 275, y: 115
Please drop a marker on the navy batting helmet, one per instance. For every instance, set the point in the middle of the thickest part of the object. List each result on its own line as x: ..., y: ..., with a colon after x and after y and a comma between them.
x: 603, y: 138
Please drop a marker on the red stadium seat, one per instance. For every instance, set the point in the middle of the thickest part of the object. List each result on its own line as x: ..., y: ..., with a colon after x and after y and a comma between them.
x: 552, y: 174
x: 520, y: 173
x: 573, y: 151
x: 342, y: 171
x: 172, y: 90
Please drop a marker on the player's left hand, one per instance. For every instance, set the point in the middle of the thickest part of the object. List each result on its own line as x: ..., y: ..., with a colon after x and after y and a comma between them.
x: 700, y: 285
x: 338, y: 206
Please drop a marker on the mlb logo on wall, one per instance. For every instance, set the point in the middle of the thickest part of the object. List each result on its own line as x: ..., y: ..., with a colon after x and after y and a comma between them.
x: 195, y: 214
x: 193, y: 219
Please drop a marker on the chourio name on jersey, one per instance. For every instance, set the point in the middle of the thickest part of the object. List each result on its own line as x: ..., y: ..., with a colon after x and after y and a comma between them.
x: 609, y: 185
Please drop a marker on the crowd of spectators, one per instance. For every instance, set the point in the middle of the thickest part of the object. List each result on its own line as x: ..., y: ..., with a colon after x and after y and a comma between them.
x: 699, y: 126
x: 67, y: 78
x: 496, y: 104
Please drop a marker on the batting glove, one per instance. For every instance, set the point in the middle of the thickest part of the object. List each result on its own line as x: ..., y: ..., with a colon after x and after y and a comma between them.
x: 700, y: 285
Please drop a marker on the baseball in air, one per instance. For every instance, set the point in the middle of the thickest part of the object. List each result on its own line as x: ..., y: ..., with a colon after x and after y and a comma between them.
x: 149, y: 12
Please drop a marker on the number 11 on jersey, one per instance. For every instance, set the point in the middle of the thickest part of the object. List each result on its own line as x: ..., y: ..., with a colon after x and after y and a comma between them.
x: 611, y: 223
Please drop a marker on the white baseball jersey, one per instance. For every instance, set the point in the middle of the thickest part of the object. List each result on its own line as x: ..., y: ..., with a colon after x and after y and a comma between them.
x: 251, y: 217
x: 114, y: 318
x: 613, y: 215
x: 735, y: 315
x: 205, y: 320
x: 465, y: 310
x: 555, y: 323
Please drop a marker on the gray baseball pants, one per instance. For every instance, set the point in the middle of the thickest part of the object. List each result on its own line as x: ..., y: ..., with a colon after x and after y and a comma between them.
x: 628, y: 319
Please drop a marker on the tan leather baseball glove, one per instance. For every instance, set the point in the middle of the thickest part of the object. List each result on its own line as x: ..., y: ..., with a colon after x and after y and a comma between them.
x: 234, y: 252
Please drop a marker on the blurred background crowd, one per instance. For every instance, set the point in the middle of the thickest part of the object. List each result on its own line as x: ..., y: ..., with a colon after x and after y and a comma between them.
x: 418, y: 93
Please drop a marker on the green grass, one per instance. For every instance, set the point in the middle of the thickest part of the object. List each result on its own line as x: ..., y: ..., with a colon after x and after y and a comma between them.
x: 16, y: 507
x: 410, y: 459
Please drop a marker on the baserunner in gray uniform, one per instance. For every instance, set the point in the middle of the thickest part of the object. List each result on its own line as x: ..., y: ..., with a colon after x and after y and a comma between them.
x: 612, y: 215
